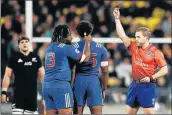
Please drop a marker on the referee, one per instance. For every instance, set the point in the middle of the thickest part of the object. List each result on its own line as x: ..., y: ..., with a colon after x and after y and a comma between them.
x: 146, y: 58
x: 26, y: 66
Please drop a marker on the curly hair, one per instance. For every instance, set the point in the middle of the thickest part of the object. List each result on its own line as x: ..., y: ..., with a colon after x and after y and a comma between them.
x: 60, y: 33
x: 84, y: 28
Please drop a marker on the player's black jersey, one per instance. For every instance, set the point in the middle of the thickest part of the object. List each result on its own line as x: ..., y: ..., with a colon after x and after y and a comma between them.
x: 25, y: 69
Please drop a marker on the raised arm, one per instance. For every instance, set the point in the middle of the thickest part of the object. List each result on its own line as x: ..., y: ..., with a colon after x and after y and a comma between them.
x: 87, y: 50
x: 104, y: 79
x: 73, y: 52
x: 73, y: 75
x: 120, y: 31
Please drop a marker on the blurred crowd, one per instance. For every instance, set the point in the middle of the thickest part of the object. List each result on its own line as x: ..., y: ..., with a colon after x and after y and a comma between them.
x: 47, y: 14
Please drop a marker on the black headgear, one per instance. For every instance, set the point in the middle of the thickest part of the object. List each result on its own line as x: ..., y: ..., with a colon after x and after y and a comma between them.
x: 84, y: 28
x: 22, y: 38
x: 60, y: 33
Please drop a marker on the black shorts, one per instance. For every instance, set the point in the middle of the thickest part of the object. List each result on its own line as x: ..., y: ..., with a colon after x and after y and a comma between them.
x: 28, y: 102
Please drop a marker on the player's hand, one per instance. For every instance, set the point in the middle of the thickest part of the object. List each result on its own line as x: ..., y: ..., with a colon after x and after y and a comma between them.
x: 104, y: 94
x: 4, y: 98
x: 87, y: 39
x: 145, y: 80
x: 116, y: 13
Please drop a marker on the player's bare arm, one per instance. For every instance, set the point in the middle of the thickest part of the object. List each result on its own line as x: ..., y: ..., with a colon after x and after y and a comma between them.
x: 41, y: 79
x: 73, y: 75
x: 87, y: 50
x: 105, y: 77
x: 86, y: 55
x: 120, y: 31
x: 6, y: 83
x: 41, y: 74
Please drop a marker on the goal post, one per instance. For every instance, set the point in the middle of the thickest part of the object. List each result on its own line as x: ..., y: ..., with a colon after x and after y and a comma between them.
x: 29, y: 31
x: 28, y: 21
x: 104, y: 40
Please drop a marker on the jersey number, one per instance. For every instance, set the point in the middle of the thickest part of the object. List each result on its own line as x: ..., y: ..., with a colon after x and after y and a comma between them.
x: 93, y: 59
x: 50, y: 60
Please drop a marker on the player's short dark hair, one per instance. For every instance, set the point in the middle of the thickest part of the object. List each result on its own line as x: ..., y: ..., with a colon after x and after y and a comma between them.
x: 84, y: 28
x: 60, y: 33
x: 22, y: 38
x: 145, y: 31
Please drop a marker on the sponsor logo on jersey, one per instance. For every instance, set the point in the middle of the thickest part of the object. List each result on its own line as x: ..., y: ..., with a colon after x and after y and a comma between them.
x: 20, y: 60
x: 34, y: 59
x: 28, y: 63
x: 139, y: 62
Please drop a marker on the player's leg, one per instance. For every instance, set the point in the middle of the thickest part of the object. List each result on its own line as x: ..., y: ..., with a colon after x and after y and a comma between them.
x: 94, y: 95
x: 148, y: 111
x: 18, y: 104
x: 63, y: 98
x: 75, y: 110
x: 51, y: 112
x: 96, y: 109
x: 30, y: 104
x: 131, y: 110
x: 49, y: 104
x: 146, y: 97
x: 80, y: 110
x: 132, y: 104
x: 17, y: 111
x: 65, y: 111
x: 79, y: 93
x: 65, y: 104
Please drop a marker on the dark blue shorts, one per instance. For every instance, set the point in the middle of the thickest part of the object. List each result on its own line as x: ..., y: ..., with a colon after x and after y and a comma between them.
x: 57, y: 95
x: 141, y: 94
x: 87, y: 89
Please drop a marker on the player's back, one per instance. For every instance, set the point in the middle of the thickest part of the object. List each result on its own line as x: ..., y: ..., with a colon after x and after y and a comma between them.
x: 98, y: 54
x: 56, y: 63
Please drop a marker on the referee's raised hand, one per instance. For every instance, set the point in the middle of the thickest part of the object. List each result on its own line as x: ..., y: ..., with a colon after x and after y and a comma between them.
x: 116, y: 12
